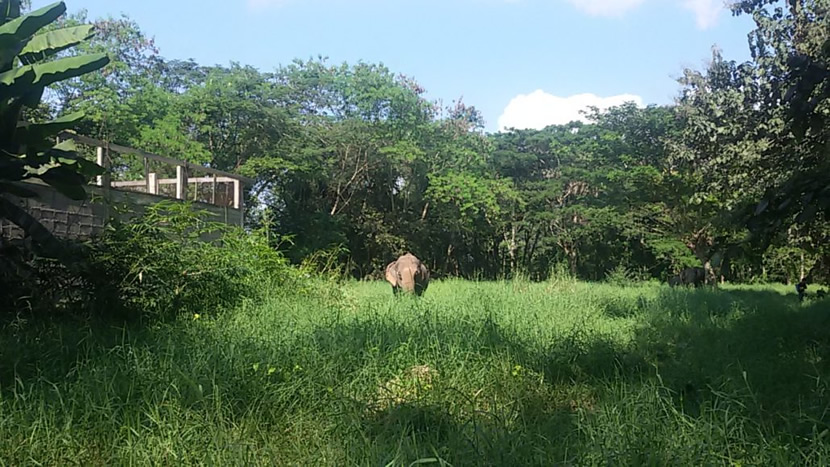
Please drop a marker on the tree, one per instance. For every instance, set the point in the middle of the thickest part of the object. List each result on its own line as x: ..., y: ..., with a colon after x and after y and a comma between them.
x: 27, y: 150
x: 792, y: 50
x: 756, y: 132
x: 106, y: 97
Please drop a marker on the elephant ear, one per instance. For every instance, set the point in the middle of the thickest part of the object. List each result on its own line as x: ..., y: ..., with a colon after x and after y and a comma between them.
x: 391, y: 274
x: 424, y: 272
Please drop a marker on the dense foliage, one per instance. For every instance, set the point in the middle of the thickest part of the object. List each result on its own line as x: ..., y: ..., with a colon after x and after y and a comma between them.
x: 352, y: 160
x: 30, y: 61
x: 171, y: 261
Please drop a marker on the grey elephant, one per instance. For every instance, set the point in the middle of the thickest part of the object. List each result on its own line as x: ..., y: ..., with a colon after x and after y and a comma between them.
x: 408, y: 273
x: 690, y: 276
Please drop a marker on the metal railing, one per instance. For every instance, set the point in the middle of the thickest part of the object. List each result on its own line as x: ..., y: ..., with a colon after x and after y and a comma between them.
x: 223, y: 188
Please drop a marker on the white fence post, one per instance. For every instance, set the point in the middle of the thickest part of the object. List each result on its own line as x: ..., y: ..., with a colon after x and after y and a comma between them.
x: 213, y: 191
x: 181, y: 182
x: 103, y: 161
x: 237, y: 195
x: 152, y: 183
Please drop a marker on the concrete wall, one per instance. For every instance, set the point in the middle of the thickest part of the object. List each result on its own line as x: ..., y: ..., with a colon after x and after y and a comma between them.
x: 82, y: 220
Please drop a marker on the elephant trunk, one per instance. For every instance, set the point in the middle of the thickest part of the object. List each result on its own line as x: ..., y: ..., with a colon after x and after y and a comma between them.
x: 407, y: 273
x: 406, y: 278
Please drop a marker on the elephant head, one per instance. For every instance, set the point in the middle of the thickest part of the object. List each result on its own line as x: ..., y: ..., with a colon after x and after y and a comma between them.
x: 408, y: 273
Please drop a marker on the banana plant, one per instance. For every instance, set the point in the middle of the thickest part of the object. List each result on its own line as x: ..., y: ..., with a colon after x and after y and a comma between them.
x: 29, y: 62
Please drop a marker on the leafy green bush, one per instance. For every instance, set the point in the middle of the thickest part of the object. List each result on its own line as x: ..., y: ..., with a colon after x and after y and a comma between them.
x: 623, y: 276
x: 328, y: 263
x: 620, y: 275
x: 169, y: 261
x: 32, y: 283
x: 174, y: 260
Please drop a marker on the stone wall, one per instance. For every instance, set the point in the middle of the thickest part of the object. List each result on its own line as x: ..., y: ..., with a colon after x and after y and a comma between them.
x: 81, y: 220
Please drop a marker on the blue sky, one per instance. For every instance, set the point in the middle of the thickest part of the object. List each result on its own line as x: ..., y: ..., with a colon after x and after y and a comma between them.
x: 523, y: 63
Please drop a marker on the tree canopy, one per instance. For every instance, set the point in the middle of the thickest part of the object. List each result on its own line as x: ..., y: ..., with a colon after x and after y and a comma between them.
x: 353, y: 160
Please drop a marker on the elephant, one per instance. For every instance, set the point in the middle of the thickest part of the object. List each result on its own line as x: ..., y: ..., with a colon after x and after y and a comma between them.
x: 408, y: 273
x: 695, y: 276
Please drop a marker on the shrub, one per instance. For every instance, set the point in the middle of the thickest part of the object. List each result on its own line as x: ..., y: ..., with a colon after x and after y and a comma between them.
x: 173, y: 260
x: 169, y: 261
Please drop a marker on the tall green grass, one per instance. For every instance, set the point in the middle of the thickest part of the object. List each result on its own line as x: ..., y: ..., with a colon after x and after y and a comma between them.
x: 498, y: 373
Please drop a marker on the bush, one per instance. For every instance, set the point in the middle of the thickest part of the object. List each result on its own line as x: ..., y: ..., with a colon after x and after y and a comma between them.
x: 32, y: 283
x: 624, y: 276
x: 620, y: 276
x: 170, y: 261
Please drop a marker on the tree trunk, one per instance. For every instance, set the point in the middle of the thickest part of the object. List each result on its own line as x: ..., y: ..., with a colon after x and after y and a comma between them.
x: 801, y: 276
x: 711, y: 278
x: 702, y: 248
x: 448, y: 260
x: 424, y: 212
x: 336, y: 203
x: 572, y: 255
x: 512, y: 248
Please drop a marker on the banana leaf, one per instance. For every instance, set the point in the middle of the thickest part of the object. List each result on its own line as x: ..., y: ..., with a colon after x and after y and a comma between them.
x: 16, y: 33
x: 67, y: 181
x: 9, y: 9
x: 16, y: 190
x: 49, y: 43
x: 67, y: 68
x: 26, y: 26
x: 39, y: 135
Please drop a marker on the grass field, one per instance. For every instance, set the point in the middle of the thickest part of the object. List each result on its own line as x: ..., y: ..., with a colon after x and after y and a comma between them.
x: 507, y: 373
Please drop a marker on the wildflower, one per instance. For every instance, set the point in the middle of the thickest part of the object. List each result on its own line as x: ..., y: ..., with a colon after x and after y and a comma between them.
x: 517, y: 370
x: 271, y: 370
x: 196, y: 316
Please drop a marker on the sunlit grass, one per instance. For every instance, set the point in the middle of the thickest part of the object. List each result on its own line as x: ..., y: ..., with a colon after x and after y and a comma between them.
x: 499, y: 373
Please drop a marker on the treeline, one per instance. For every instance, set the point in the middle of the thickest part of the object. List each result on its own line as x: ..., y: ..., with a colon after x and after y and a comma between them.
x: 352, y: 162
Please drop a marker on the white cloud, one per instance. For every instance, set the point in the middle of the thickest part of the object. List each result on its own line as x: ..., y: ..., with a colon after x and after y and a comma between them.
x: 706, y: 11
x: 540, y: 109
x: 605, y: 7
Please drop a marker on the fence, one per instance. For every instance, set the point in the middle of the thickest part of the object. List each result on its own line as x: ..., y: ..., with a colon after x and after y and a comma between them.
x: 218, y: 192
x: 218, y: 188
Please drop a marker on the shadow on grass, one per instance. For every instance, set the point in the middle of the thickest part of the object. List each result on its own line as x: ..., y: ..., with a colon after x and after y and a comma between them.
x: 98, y: 380
x: 310, y: 395
x: 762, y: 347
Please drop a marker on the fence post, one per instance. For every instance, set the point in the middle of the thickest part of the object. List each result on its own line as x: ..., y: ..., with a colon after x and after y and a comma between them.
x: 181, y: 182
x: 102, y: 160
x: 147, y: 171
x: 237, y: 194
x: 152, y: 183
x: 213, y: 191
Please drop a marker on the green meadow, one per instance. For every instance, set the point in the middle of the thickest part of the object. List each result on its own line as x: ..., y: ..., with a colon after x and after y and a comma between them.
x: 473, y: 373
